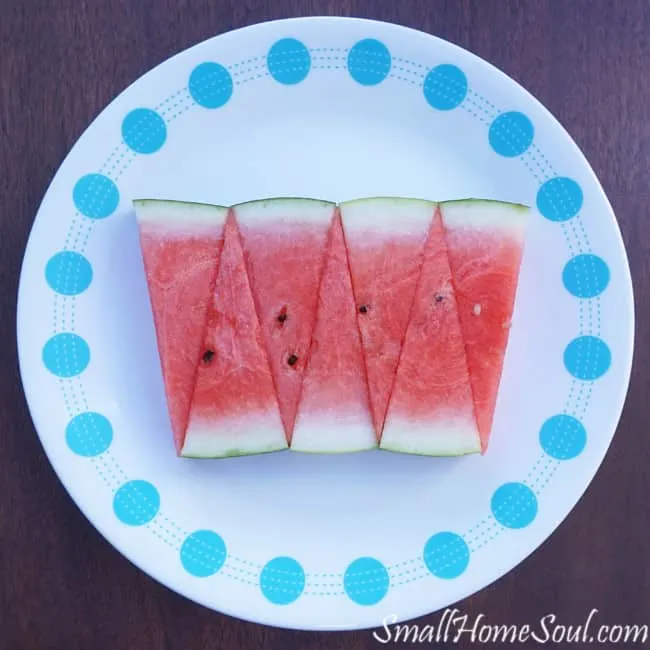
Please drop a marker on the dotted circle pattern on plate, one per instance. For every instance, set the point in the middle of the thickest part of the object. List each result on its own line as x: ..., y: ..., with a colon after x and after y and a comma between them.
x: 96, y: 196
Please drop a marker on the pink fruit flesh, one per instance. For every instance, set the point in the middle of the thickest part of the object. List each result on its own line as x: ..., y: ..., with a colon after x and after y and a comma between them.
x: 180, y: 269
x: 485, y: 267
x: 335, y: 378
x: 432, y: 384
x: 233, y: 378
x: 284, y: 262
x: 385, y: 269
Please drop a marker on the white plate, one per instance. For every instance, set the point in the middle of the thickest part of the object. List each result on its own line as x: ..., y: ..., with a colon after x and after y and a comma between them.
x: 346, y: 108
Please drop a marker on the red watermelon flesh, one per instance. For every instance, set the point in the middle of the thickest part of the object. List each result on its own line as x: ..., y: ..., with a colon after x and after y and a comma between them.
x: 431, y: 410
x: 284, y: 244
x: 334, y: 411
x: 234, y: 407
x: 385, y: 239
x: 180, y: 244
x: 485, y: 241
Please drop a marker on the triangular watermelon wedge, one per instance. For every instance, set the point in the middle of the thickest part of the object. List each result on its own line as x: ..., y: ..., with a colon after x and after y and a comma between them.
x: 334, y: 411
x: 284, y: 244
x: 234, y: 407
x: 385, y: 238
x: 485, y: 241
x: 180, y: 244
x: 431, y: 410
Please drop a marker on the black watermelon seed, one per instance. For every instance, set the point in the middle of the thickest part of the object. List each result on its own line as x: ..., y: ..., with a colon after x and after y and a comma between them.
x: 282, y: 316
x: 207, y: 356
x: 292, y: 360
x: 363, y: 309
x: 439, y: 298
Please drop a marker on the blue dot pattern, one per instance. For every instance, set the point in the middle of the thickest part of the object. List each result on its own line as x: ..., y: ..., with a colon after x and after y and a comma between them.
x: 559, y: 199
x: 210, y: 85
x: 587, y: 358
x: 366, y: 581
x: 66, y: 355
x: 68, y: 273
x: 203, y: 553
x: 586, y: 276
x: 563, y: 437
x: 96, y: 196
x: 282, y: 580
x: 511, y: 134
x: 446, y: 555
x: 288, y: 61
x: 144, y: 131
x: 89, y: 434
x: 136, y: 503
x: 514, y: 505
x: 369, y: 62
x: 445, y: 87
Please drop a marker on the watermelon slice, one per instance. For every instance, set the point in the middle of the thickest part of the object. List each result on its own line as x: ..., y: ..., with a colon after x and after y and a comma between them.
x: 385, y: 239
x: 431, y: 410
x: 334, y: 411
x: 234, y: 409
x: 485, y: 241
x: 284, y: 244
x: 180, y: 244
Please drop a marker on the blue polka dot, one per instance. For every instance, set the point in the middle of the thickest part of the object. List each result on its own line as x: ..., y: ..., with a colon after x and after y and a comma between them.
x: 514, y: 505
x: 559, y: 199
x: 210, y: 85
x: 288, y: 61
x: 136, y: 503
x: 586, y: 276
x: 96, y: 196
x: 66, y: 355
x: 144, y: 130
x: 89, y: 434
x: 369, y: 62
x: 282, y: 580
x: 366, y: 581
x: 587, y: 357
x: 68, y: 273
x: 563, y: 437
x: 511, y: 134
x: 203, y: 553
x: 445, y: 87
x: 446, y: 555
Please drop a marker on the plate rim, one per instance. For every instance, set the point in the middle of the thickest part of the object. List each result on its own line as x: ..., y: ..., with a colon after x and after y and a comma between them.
x: 622, y: 394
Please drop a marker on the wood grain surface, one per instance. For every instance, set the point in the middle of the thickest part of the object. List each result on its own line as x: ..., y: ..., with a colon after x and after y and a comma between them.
x: 62, y: 587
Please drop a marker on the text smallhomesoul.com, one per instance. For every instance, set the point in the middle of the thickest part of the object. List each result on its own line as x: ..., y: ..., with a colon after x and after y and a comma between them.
x: 454, y: 627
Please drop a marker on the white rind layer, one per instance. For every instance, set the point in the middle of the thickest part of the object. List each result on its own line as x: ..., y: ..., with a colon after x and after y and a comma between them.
x: 509, y: 218
x: 179, y: 216
x: 288, y: 210
x: 387, y: 215
x: 451, y: 436
x: 251, y: 434
x: 330, y: 432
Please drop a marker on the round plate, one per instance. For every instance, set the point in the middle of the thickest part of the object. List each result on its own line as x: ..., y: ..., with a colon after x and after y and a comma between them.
x: 335, y: 109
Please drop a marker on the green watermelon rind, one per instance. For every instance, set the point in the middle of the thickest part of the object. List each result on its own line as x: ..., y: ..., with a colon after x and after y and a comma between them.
x: 290, y: 200
x: 234, y: 453
x: 383, y: 200
x: 179, y: 215
x: 478, y: 202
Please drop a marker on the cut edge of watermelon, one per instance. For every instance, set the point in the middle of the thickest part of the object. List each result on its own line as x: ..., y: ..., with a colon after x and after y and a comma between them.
x: 486, y: 214
x: 292, y: 209
x: 386, y: 214
x: 179, y: 216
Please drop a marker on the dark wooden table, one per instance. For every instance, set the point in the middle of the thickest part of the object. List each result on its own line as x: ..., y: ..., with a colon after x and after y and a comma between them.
x: 62, y: 587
